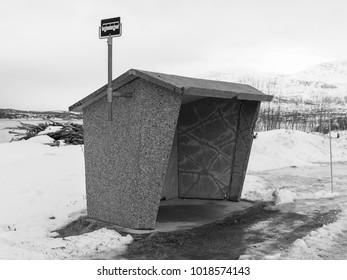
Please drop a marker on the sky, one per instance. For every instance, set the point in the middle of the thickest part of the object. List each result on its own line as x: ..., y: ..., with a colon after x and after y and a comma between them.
x: 51, y: 55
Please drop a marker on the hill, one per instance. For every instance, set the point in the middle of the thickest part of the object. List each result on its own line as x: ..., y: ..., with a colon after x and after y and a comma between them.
x: 326, y: 80
x: 322, y: 80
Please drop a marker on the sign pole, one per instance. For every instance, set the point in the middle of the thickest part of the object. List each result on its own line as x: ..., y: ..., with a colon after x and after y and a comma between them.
x: 109, y: 28
x: 109, y: 84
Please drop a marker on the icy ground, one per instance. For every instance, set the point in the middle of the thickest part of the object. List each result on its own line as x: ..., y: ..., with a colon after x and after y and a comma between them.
x: 42, y: 188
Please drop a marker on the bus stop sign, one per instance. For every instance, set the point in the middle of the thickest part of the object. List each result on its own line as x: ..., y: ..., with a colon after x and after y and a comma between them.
x: 110, y: 27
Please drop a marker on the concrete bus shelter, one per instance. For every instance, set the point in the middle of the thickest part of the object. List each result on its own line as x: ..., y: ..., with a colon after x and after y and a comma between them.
x: 171, y: 137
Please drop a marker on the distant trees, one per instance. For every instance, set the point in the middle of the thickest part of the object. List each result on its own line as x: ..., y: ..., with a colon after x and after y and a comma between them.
x: 297, y: 113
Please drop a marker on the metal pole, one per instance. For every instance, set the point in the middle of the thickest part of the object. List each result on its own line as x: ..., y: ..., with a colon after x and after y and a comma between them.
x: 331, y: 156
x: 109, y: 84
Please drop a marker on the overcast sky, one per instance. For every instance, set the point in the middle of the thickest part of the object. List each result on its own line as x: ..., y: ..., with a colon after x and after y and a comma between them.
x: 51, y: 55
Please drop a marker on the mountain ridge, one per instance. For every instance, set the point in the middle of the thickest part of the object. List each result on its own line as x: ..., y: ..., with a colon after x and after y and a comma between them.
x: 324, y: 79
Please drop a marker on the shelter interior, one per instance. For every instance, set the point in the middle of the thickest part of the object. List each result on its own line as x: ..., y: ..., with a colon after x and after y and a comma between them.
x: 203, y: 150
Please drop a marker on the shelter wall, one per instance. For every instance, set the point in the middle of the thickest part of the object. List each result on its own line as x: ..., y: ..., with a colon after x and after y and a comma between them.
x: 248, y: 114
x: 211, y: 149
x: 170, y: 188
x: 126, y: 159
x: 207, y: 131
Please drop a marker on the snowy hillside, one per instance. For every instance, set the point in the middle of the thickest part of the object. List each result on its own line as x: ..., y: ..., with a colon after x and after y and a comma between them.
x: 329, y: 72
x: 326, y: 79
x: 329, y: 79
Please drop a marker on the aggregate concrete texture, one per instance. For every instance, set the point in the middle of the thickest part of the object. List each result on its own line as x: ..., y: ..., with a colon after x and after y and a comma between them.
x: 126, y: 159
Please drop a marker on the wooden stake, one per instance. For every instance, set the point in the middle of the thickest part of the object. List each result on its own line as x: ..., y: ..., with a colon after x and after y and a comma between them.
x: 331, y: 156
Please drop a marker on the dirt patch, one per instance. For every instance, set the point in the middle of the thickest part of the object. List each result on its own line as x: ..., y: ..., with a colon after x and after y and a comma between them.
x: 82, y: 225
x: 229, y: 238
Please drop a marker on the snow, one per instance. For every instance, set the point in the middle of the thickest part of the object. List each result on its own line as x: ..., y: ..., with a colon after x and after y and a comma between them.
x: 282, y: 148
x: 278, y: 149
x: 318, y: 241
x: 43, y: 139
x: 42, y: 188
x: 51, y: 129
x: 330, y: 72
x: 283, y: 196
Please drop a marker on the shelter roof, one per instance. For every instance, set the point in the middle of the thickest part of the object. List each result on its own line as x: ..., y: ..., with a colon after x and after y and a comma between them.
x: 191, y: 88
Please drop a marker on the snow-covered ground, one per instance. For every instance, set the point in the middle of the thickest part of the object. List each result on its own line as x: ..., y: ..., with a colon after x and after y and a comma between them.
x: 42, y: 188
x: 292, y: 168
x: 276, y: 149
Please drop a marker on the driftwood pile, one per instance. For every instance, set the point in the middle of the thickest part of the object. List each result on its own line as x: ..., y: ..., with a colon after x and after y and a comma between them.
x: 70, y: 133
